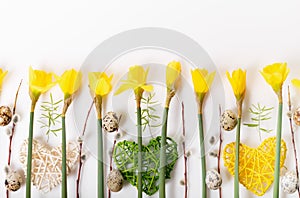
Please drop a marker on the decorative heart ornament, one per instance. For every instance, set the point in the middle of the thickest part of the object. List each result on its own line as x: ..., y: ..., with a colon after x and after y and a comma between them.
x: 126, y: 158
x: 46, y: 163
x: 256, y: 166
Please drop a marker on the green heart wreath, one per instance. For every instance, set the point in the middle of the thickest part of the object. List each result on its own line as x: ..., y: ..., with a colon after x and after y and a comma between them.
x: 126, y: 159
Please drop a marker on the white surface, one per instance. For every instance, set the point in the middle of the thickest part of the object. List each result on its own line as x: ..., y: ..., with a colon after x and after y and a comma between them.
x: 58, y: 35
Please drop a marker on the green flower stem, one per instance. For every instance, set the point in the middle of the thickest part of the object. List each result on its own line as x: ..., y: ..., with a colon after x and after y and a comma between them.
x: 202, y: 150
x: 64, y: 187
x: 163, y: 161
x: 29, y: 153
x: 64, y: 192
x: 29, y: 157
x: 278, y: 149
x: 237, y: 157
x: 100, y: 160
x: 100, y: 182
x: 140, y: 143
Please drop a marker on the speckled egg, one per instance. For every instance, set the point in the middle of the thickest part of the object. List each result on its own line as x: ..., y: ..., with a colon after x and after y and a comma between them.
x: 13, y: 180
x: 228, y: 120
x: 296, y: 116
x: 213, y: 180
x: 289, y: 182
x: 115, y: 181
x: 5, y: 115
x: 110, y: 122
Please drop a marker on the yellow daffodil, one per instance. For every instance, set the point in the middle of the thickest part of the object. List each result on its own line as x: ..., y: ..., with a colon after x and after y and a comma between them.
x: 238, y: 83
x: 202, y: 81
x: 2, y: 75
x: 100, y: 83
x: 275, y: 75
x: 172, y: 73
x: 69, y: 82
x: 39, y: 83
x: 136, y: 80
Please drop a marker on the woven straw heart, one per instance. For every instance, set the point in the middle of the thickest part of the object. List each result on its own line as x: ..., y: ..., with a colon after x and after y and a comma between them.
x: 256, y: 166
x: 46, y: 163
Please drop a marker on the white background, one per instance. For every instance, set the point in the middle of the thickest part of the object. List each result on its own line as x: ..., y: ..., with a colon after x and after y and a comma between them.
x: 57, y: 35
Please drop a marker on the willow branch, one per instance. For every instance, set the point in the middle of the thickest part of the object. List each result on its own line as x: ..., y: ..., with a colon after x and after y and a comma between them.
x: 293, y: 136
x: 12, y: 130
x: 110, y: 163
x: 220, y: 148
x: 80, y: 151
x: 184, y: 153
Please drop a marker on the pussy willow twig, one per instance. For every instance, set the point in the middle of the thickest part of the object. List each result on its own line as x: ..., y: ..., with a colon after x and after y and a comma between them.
x: 110, y: 163
x: 80, y: 151
x: 220, y: 148
x: 12, y: 131
x: 184, y: 153
x: 293, y: 136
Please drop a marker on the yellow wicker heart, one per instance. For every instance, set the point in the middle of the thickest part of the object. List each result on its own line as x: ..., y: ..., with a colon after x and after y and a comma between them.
x: 256, y: 166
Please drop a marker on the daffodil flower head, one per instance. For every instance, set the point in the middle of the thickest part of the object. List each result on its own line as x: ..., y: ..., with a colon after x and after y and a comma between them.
x: 2, y: 75
x: 172, y: 74
x: 136, y: 80
x: 275, y: 75
x: 100, y: 83
x: 202, y: 81
x: 69, y: 82
x: 238, y: 83
x: 39, y: 83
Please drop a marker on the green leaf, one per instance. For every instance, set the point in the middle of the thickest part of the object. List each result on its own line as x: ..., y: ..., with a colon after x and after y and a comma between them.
x: 259, y: 114
x: 50, y: 115
x: 250, y: 125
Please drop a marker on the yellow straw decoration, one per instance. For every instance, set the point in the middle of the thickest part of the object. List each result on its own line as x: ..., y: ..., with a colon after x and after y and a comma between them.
x: 256, y: 170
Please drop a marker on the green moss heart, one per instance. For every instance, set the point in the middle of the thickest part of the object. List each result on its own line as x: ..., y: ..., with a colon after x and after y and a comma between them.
x: 126, y: 159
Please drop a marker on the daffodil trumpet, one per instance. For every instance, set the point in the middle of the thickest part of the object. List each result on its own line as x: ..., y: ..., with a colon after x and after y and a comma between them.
x: 69, y: 83
x: 275, y: 75
x: 39, y: 83
x: 202, y: 81
x: 238, y: 84
x: 136, y: 80
x: 100, y: 86
x: 172, y: 75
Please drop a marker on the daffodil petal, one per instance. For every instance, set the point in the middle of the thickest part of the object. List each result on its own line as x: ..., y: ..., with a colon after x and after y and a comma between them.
x: 238, y: 83
x: 202, y: 80
x: 172, y: 73
x: 147, y: 88
x: 70, y: 81
x: 296, y: 83
x: 275, y: 75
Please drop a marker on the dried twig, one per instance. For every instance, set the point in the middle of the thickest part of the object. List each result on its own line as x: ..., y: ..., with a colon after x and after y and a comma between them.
x: 111, y: 156
x: 184, y: 152
x: 80, y: 151
x: 220, y: 148
x: 293, y: 136
x: 12, y: 131
x: 110, y: 164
